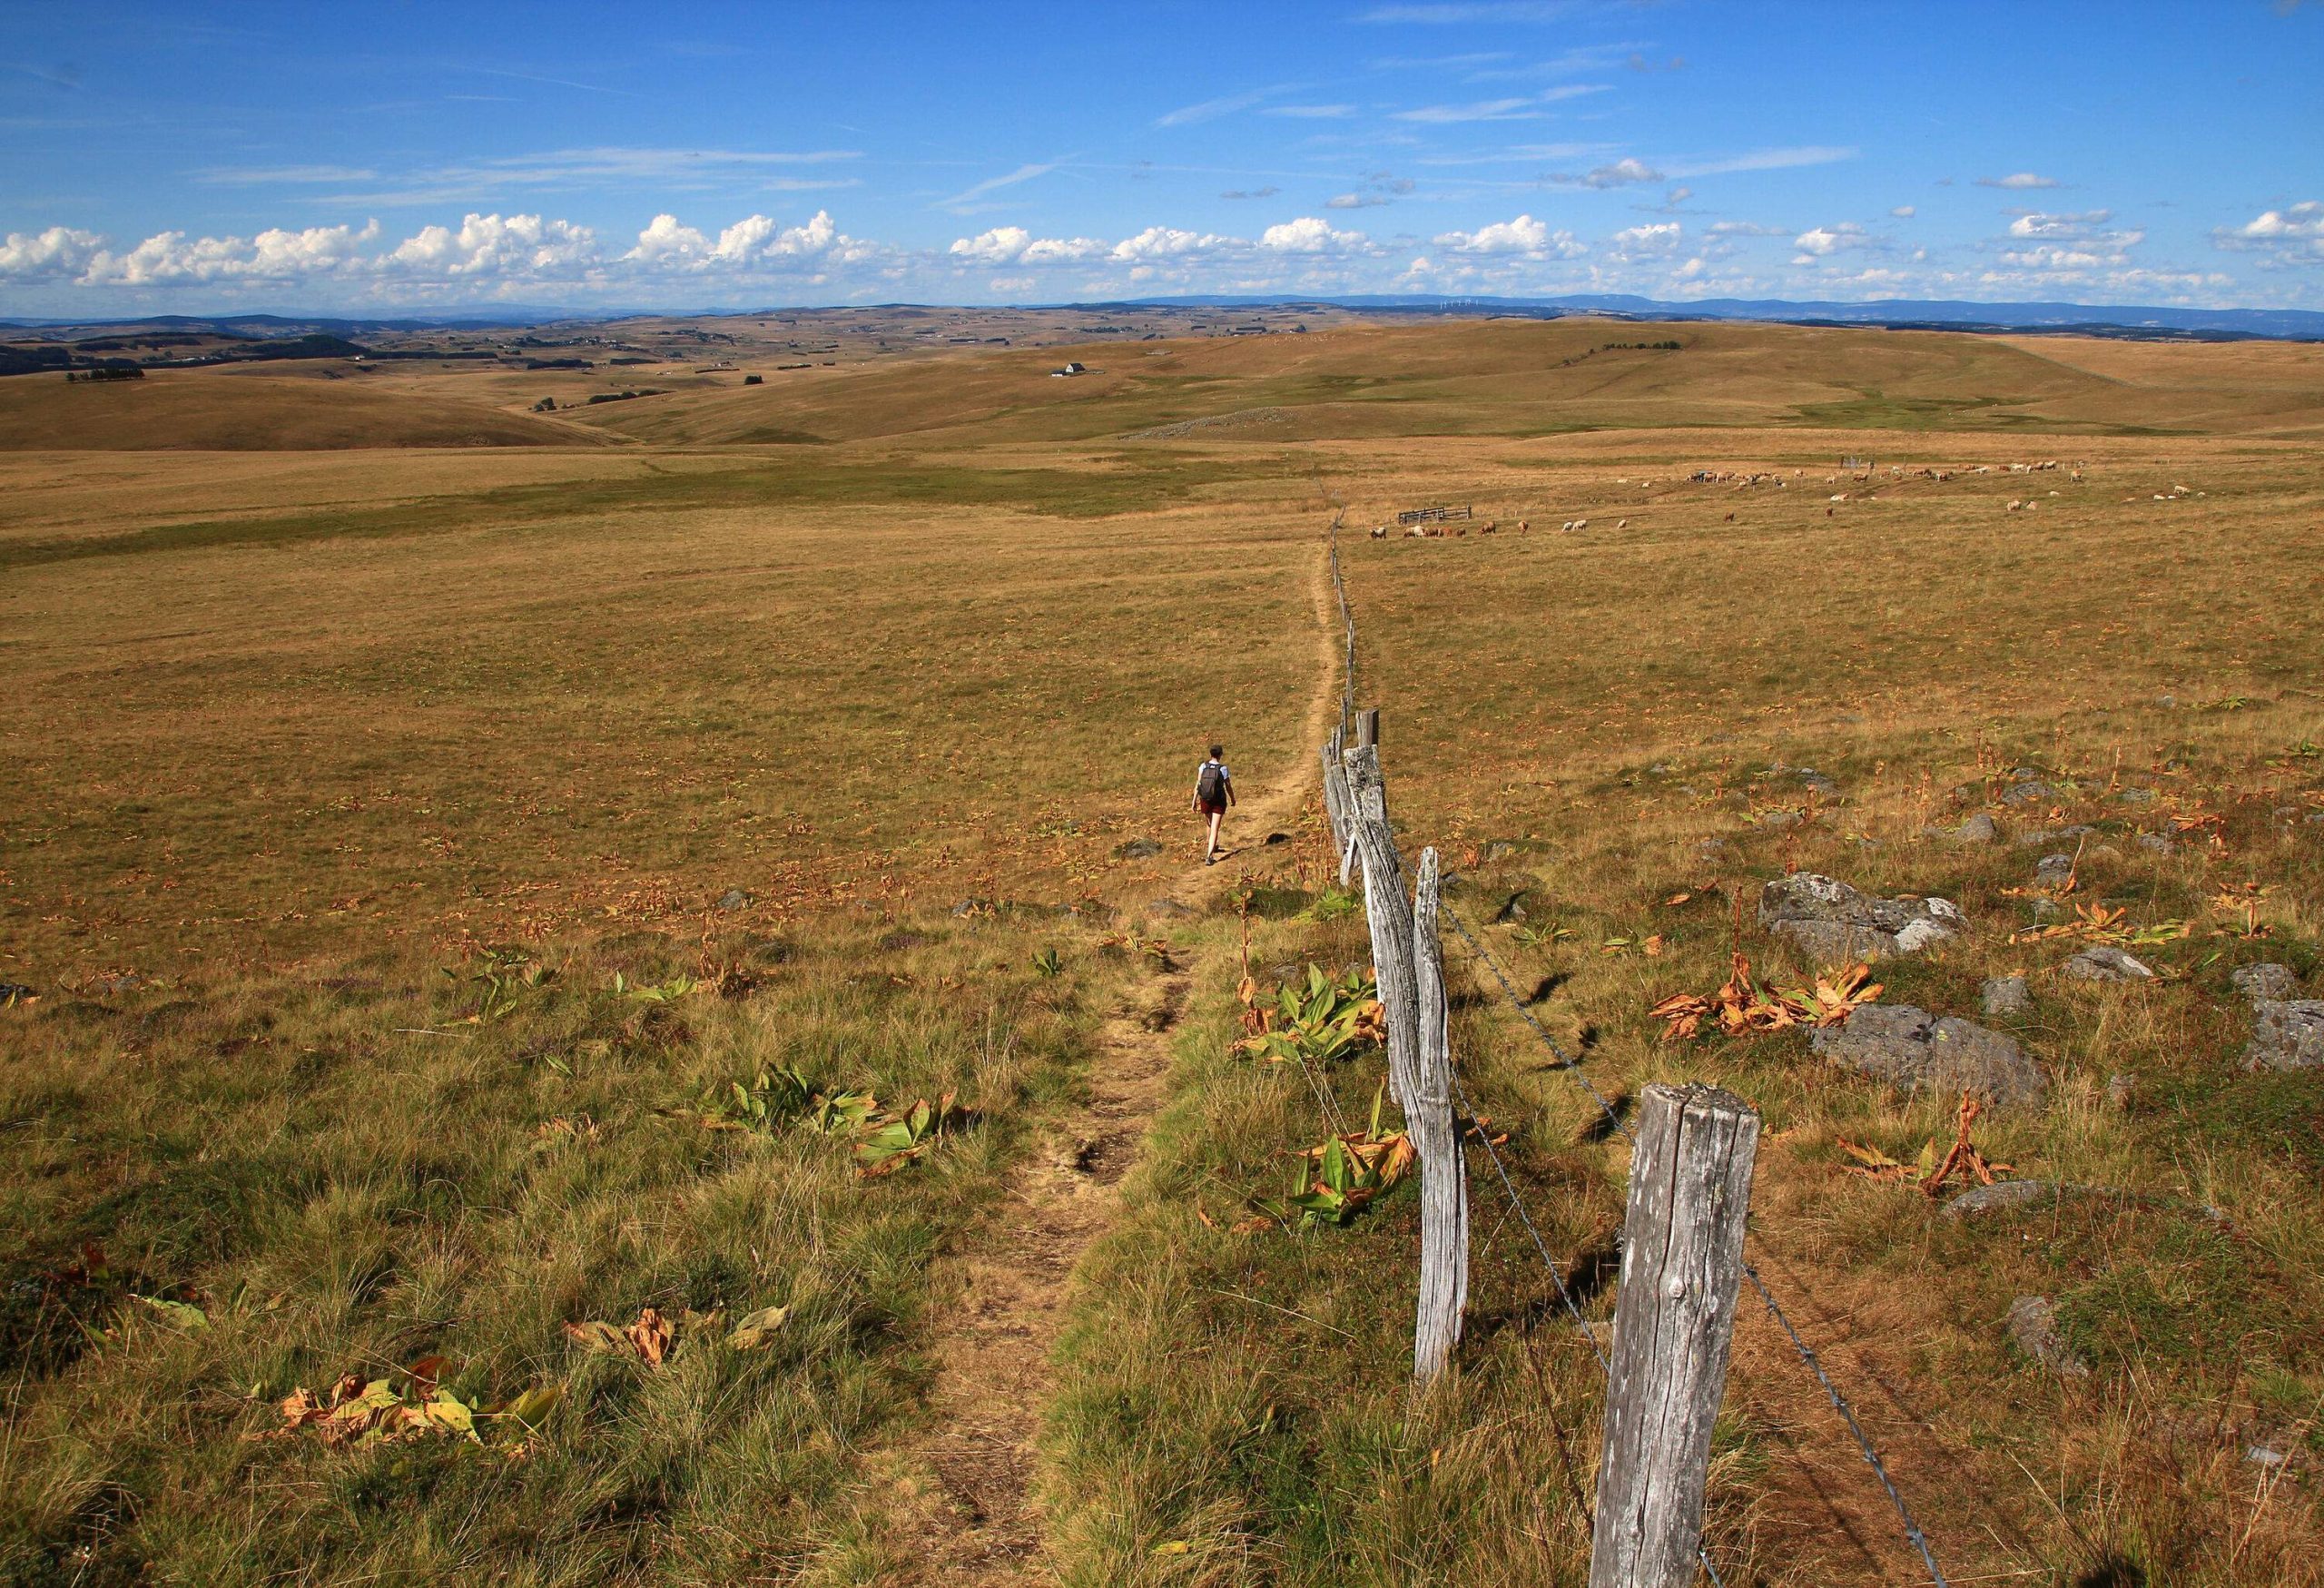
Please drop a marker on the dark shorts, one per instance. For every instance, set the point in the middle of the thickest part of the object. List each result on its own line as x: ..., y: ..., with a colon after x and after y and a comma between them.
x: 1207, y: 809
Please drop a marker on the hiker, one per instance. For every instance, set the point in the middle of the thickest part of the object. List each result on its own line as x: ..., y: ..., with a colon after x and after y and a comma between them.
x: 1214, y: 792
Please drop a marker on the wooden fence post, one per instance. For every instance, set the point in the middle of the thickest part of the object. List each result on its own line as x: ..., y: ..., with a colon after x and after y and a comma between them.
x: 1674, y: 1319
x: 1367, y: 727
x: 1436, y: 1136
x: 1389, y: 915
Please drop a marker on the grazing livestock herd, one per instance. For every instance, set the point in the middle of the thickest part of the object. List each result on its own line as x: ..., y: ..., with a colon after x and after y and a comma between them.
x: 1856, y: 473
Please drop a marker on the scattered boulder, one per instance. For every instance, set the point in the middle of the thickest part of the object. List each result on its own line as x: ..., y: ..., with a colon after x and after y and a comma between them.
x: 2000, y: 1195
x: 1777, y: 820
x: 2054, y: 871
x: 2104, y: 963
x: 2286, y: 1034
x: 1837, y: 923
x: 2033, y: 792
x: 2052, y: 835
x: 1496, y: 849
x: 733, y: 899
x: 2033, y: 1325
x: 2135, y: 796
x: 2119, y: 1089
x: 2265, y: 980
x: 2004, y: 995
x: 1714, y: 851
x: 1978, y: 829
x: 974, y: 907
x: 1815, y: 783
x: 1913, y: 1050
x: 1138, y: 849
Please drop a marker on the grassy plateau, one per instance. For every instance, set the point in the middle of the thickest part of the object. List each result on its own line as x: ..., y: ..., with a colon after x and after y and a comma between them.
x: 468, y: 877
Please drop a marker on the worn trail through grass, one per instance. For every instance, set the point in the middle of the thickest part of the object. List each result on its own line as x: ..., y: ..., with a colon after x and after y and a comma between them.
x: 978, y: 1506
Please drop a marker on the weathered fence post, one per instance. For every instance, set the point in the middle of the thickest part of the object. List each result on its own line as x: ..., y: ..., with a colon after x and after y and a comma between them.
x: 1435, y: 1134
x: 1367, y: 727
x: 1389, y: 915
x: 1674, y: 1319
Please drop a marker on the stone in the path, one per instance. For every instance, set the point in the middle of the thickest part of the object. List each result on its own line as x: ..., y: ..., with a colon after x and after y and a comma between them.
x: 2004, y: 995
x: 2053, y: 870
x: 2000, y: 1195
x: 2287, y: 1033
x: 1835, y: 923
x: 2104, y: 963
x: 1138, y: 849
x: 2033, y: 1325
x: 1915, y: 1050
x: 2265, y: 980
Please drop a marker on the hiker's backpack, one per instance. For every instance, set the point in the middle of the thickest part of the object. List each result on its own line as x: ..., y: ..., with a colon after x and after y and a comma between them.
x: 1210, y: 788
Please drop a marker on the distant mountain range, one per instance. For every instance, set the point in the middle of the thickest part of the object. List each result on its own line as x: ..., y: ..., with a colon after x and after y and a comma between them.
x: 2119, y: 319
x: 2139, y: 320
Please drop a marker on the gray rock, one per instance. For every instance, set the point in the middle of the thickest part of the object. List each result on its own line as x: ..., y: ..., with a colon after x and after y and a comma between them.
x: 1999, y: 1196
x: 1496, y: 849
x: 1138, y: 849
x: 2135, y: 796
x: 1835, y: 923
x: 1913, y: 1050
x: 2119, y: 1089
x: 2035, y: 792
x: 733, y: 899
x: 2287, y: 1033
x: 974, y: 907
x: 1815, y: 783
x: 2166, y: 701
x: 2024, y: 775
x: 1775, y: 821
x: 1714, y: 849
x: 1978, y: 829
x: 2266, y: 981
x: 2052, y: 835
x: 2104, y: 963
x: 2004, y: 995
x: 2033, y: 1325
x: 2053, y: 870
x: 2156, y: 842
x: 2265, y: 1455
x: 1513, y: 908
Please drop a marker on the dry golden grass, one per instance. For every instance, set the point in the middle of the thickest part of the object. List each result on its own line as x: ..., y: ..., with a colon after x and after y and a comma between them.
x: 293, y: 730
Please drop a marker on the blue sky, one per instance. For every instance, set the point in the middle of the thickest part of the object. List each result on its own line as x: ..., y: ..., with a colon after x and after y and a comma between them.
x: 191, y: 158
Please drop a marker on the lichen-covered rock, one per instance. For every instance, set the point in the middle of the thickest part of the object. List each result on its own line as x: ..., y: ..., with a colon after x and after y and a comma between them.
x: 2287, y: 1033
x: 1915, y: 1050
x: 1978, y: 829
x: 2265, y: 980
x: 1999, y: 1196
x: 1835, y: 923
x: 2104, y: 963
x: 2033, y: 1325
x: 2054, y: 871
x: 2004, y: 995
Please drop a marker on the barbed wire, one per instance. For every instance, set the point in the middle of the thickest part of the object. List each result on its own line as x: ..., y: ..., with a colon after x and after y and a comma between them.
x: 1572, y: 1066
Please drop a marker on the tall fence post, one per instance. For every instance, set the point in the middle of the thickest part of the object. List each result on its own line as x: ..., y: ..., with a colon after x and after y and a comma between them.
x: 1435, y: 1135
x: 1367, y: 727
x: 1674, y: 1320
x: 1389, y: 915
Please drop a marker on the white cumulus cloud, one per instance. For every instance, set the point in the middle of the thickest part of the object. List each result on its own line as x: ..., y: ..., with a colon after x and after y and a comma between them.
x: 494, y: 245
x: 1310, y: 235
x: 58, y: 254
x: 1523, y: 235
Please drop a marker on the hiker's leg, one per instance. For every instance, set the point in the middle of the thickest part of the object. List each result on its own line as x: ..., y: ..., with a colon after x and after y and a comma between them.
x: 1212, y: 848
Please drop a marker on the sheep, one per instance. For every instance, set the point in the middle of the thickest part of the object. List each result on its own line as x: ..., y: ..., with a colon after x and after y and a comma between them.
x: 1522, y: 526
x: 1380, y: 532
x: 1491, y: 528
x: 1622, y: 523
x: 2015, y: 505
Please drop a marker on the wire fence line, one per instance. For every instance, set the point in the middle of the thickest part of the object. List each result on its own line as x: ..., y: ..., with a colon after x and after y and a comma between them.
x: 1570, y: 1065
